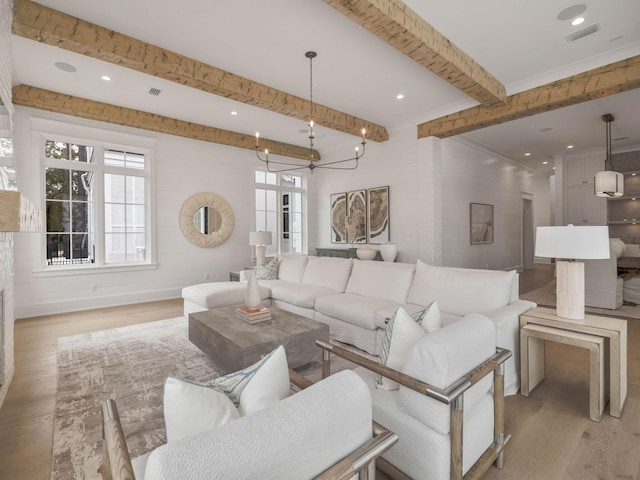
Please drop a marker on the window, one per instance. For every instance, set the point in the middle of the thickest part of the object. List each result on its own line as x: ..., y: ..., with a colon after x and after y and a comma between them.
x: 97, y: 203
x: 280, y: 208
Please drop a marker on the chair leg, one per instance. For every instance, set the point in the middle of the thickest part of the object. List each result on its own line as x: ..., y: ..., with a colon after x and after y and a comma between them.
x: 457, y: 411
x: 498, y: 417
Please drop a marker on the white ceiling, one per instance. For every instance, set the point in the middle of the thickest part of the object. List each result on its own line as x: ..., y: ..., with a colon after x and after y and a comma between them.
x: 520, y: 42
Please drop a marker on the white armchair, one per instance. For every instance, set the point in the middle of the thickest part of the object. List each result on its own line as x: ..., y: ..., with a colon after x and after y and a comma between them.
x: 603, y: 286
x: 449, y: 409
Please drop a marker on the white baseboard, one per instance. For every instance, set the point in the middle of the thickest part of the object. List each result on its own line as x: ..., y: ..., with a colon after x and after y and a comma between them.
x: 79, y: 304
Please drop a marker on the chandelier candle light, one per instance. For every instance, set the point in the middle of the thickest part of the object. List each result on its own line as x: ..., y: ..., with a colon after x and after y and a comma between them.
x: 570, y: 242
x: 313, y: 163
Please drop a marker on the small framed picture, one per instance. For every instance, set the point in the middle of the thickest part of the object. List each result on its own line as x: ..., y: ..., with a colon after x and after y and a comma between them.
x: 481, y: 223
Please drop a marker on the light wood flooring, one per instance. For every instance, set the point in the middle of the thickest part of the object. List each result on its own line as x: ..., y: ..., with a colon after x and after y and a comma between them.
x: 553, y: 437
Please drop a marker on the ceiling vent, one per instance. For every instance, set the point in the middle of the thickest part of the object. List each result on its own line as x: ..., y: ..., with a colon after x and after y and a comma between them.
x: 572, y: 37
x: 154, y: 91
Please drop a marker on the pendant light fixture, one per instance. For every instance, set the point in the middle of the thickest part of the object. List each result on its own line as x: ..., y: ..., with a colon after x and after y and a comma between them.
x: 608, y: 183
x: 313, y: 163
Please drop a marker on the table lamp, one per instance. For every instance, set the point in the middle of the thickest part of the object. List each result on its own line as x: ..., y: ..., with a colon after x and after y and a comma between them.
x: 568, y: 244
x: 260, y: 240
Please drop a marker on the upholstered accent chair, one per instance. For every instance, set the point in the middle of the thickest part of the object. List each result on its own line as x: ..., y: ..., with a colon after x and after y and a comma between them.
x: 449, y: 408
x: 325, y: 431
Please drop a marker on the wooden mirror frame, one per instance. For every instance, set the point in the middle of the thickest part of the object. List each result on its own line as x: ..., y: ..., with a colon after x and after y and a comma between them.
x: 187, y: 226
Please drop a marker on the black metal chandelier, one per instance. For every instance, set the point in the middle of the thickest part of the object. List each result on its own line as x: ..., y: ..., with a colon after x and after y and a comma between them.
x: 313, y: 163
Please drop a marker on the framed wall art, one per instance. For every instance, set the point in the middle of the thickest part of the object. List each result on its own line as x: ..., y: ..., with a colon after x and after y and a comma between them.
x: 338, y: 218
x: 356, y: 220
x: 481, y: 223
x: 378, y: 215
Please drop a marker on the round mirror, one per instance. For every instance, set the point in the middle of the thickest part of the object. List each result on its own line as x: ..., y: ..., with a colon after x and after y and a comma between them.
x: 206, y: 220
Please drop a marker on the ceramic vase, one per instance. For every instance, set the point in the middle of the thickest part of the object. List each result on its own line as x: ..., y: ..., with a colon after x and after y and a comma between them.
x: 366, y: 253
x: 388, y: 251
x: 252, y: 293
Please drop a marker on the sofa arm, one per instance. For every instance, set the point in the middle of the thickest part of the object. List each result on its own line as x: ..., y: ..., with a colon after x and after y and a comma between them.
x: 505, y: 314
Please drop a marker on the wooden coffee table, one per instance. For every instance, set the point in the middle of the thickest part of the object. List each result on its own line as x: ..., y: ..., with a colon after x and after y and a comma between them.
x: 234, y: 344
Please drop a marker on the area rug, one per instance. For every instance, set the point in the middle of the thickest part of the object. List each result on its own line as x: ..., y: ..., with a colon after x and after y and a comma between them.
x: 545, y: 296
x: 128, y: 364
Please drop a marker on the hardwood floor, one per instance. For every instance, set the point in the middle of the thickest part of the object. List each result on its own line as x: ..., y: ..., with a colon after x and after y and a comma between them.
x: 553, y: 437
x: 26, y: 417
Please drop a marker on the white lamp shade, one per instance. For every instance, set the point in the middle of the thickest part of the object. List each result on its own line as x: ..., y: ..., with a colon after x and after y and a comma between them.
x: 571, y: 242
x: 609, y: 184
x: 259, y: 238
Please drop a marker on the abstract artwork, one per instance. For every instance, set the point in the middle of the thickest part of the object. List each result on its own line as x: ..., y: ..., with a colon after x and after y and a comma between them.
x: 481, y: 223
x: 378, y: 215
x: 356, y: 221
x: 338, y: 217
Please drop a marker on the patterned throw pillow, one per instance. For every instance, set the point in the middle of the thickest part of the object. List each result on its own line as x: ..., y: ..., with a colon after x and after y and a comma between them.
x: 267, y: 269
x: 401, y: 334
x: 191, y: 407
x: 260, y: 385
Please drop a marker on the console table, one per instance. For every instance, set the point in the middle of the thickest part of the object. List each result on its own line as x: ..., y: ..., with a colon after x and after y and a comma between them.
x: 586, y: 333
x: 342, y: 253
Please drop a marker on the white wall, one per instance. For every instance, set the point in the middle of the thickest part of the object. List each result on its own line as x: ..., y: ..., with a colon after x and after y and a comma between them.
x: 391, y: 163
x: 429, y: 217
x: 182, y: 167
x: 431, y: 184
x: 474, y: 175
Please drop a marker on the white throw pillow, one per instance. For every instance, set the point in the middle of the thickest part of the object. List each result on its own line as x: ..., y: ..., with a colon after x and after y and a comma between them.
x: 191, y: 408
x: 429, y: 318
x: 401, y: 334
x: 264, y: 383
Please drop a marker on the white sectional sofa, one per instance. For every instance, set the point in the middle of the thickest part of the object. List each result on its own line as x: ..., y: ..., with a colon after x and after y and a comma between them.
x: 355, y: 298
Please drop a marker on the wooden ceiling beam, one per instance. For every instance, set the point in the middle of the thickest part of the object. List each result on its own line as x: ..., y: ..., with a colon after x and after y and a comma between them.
x: 46, y: 25
x: 81, y: 107
x: 597, y: 83
x: 398, y: 25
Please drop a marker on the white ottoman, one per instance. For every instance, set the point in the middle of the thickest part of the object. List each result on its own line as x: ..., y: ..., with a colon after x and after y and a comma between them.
x: 205, y: 296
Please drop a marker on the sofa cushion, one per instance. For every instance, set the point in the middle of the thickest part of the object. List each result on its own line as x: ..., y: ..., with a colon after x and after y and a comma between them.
x: 219, y: 294
x: 258, y: 386
x: 291, y: 268
x: 328, y: 272
x: 461, y: 290
x: 353, y: 309
x: 381, y: 280
x: 442, y: 358
x: 299, y: 294
x: 191, y: 408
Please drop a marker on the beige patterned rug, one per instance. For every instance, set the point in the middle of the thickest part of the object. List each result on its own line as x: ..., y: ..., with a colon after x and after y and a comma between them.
x: 128, y: 364
x: 545, y: 296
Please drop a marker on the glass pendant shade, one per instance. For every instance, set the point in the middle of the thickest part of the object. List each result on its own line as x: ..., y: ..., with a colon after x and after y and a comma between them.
x: 609, y: 184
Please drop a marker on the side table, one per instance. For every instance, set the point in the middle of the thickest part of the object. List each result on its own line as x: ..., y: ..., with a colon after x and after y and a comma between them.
x: 612, y: 330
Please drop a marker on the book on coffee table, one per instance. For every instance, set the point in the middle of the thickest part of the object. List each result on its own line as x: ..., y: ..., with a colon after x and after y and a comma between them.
x: 253, y: 315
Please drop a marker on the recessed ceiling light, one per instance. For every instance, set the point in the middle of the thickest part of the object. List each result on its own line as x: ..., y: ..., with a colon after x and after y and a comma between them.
x: 572, y: 12
x: 527, y: 154
x: 545, y: 163
x: 234, y: 113
x: 554, y: 168
x: 577, y: 21
x: 106, y: 78
x: 400, y: 96
x: 65, y: 67
x: 569, y: 146
x: 633, y: 174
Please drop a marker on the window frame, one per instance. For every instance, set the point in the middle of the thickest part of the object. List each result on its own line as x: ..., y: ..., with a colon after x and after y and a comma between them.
x: 280, y: 190
x: 101, y: 141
